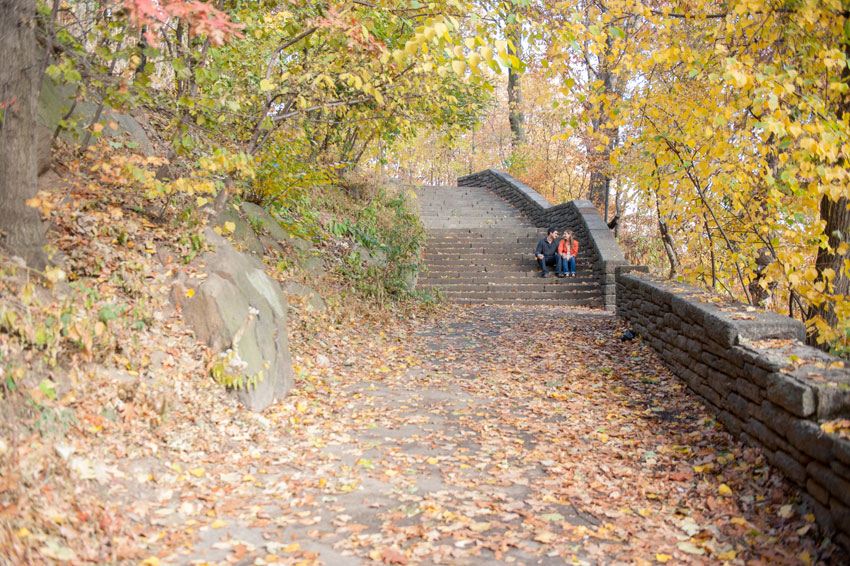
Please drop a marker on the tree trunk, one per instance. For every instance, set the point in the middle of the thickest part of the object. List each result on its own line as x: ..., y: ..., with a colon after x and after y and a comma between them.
x: 837, y: 219
x: 515, y: 115
x: 21, y: 230
x: 666, y: 236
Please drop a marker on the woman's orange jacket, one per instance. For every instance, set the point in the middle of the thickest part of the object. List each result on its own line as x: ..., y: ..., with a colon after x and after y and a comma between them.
x: 562, y: 247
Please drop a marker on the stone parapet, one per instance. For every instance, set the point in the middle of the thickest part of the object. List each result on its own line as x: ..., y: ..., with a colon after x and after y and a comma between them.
x: 765, y: 385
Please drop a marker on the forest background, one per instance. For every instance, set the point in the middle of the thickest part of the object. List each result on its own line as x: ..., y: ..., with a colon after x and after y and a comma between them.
x: 716, y: 131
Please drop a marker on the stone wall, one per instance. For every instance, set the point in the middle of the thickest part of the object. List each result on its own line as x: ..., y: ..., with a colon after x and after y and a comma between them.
x: 764, y: 384
x: 597, y: 243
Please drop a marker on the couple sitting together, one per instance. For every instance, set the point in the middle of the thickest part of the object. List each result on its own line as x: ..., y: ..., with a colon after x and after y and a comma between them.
x: 558, y: 252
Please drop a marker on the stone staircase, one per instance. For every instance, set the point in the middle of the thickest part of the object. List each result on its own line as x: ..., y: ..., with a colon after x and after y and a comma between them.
x: 480, y: 251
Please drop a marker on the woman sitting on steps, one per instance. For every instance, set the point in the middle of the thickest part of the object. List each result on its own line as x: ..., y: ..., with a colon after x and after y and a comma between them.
x: 567, y: 252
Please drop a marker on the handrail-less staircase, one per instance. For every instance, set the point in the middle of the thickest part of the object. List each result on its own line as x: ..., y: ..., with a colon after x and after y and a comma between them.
x: 480, y: 251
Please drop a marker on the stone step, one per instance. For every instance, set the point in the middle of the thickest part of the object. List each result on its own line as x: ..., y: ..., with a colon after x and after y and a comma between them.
x: 499, y: 276
x: 507, y: 264
x: 481, y: 243
x: 513, y: 283
x: 583, y: 303
x: 504, y: 264
x: 468, y: 234
x: 512, y: 251
x: 515, y: 294
x: 468, y: 208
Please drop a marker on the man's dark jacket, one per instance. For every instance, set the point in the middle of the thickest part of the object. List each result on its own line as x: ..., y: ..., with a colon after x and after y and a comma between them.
x: 545, y: 248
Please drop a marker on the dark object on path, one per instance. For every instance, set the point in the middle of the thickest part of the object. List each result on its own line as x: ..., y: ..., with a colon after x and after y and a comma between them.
x: 628, y: 335
x: 613, y: 223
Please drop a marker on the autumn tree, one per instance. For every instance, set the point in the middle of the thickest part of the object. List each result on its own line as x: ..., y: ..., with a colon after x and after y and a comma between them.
x: 28, y: 41
x: 21, y: 230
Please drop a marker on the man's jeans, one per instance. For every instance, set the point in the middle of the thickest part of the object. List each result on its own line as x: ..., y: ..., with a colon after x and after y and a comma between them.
x: 548, y: 260
x: 566, y: 265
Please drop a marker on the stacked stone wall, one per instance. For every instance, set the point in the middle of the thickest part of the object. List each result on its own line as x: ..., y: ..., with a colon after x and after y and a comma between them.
x: 580, y: 216
x: 765, y: 385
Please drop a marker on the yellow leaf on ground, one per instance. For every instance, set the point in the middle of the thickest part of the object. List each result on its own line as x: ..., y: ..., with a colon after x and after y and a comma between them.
x: 480, y: 527
x: 294, y: 547
x: 546, y: 537
x: 190, y: 293
x: 728, y: 555
x: 197, y: 472
x: 150, y: 561
x: 432, y: 460
x: 218, y: 523
x: 663, y: 557
x: 724, y: 489
x: 23, y: 532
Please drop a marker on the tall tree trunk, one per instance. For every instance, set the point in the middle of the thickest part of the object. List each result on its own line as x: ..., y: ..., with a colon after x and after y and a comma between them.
x: 837, y: 219
x: 515, y: 114
x: 21, y: 230
x: 600, y: 159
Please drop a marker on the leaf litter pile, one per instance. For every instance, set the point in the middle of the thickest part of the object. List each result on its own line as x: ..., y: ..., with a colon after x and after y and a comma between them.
x: 488, y: 435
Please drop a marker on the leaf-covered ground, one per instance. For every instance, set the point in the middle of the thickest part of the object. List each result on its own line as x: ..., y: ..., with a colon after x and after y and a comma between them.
x: 481, y: 436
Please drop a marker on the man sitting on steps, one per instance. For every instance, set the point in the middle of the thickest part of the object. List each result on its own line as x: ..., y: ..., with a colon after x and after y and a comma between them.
x: 546, y: 251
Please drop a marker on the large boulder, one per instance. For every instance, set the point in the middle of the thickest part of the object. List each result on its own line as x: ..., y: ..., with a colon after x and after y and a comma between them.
x: 243, y: 232
x: 56, y: 99
x: 240, y: 312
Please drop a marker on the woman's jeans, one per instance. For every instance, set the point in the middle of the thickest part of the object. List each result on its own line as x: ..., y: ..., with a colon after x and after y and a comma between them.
x: 566, y: 265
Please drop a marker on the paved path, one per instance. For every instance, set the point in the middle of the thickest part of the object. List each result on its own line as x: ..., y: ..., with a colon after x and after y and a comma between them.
x: 495, y: 436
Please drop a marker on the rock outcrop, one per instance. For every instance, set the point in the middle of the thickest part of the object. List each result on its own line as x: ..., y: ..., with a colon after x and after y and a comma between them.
x: 240, y: 312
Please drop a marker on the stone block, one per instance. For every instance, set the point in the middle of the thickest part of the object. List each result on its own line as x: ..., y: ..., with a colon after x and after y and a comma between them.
x: 748, y: 389
x: 833, y: 401
x: 794, y: 396
x: 725, y: 367
x: 817, y: 491
x: 772, y: 360
x: 823, y: 516
x: 708, y: 358
x: 739, y: 406
x: 808, y: 438
x: 763, y: 434
x: 838, y: 488
x: 719, y: 382
x: 780, y: 421
x: 840, y: 514
x: 841, y: 450
x: 840, y: 469
x: 757, y: 375
x: 708, y: 394
x: 694, y: 347
x: 790, y: 467
x: 732, y: 423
